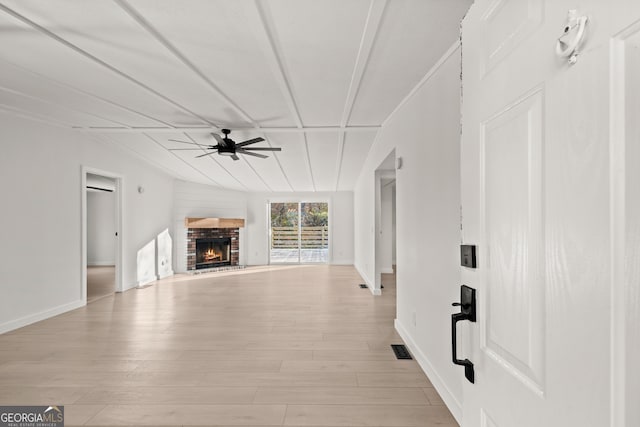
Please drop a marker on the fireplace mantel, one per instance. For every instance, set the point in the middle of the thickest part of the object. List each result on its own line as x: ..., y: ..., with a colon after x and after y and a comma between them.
x: 214, y: 222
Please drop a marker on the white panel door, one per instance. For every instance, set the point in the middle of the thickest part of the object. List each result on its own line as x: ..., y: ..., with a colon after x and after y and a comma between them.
x: 625, y: 138
x: 537, y: 192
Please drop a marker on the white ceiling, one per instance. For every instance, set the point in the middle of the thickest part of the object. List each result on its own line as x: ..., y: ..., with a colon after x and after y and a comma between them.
x: 315, y: 77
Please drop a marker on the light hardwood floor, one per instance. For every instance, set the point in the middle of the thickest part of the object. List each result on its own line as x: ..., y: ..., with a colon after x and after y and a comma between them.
x: 264, y: 346
x: 101, y: 282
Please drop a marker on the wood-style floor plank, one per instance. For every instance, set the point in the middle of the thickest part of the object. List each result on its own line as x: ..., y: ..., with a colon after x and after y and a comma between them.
x: 267, y: 346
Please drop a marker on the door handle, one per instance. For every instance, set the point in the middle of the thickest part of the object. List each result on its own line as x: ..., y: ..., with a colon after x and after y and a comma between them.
x: 468, y: 365
x: 467, y: 305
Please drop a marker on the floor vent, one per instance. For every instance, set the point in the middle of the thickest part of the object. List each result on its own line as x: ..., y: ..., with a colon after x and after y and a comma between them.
x: 363, y: 286
x: 401, y: 351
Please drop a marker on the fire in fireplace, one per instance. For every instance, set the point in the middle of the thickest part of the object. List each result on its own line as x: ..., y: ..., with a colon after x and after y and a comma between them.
x: 213, y: 252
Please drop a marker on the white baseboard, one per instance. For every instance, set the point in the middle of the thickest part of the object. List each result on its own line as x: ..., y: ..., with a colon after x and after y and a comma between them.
x: 36, y: 317
x: 167, y: 274
x: 438, y: 383
x: 369, y: 282
x: 387, y: 270
x: 101, y: 264
x: 342, y: 262
x: 364, y: 277
x: 129, y: 287
x: 147, y: 280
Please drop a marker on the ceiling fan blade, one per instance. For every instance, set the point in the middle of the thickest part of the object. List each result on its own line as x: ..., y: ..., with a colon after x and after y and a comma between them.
x: 235, y: 157
x: 263, y: 148
x: 206, y: 154
x: 184, y: 149
x: 249, y: 141
x: 243, y: 151
x: 219, y: 139
x: 190, y: 143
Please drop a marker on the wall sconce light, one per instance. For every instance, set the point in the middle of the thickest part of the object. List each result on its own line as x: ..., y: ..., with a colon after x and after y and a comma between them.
x: 140, y: 189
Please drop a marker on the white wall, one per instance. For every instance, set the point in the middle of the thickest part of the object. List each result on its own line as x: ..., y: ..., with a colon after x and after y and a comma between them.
x: 425, y: 132
x: 205, y: 201
x: 41, y: 190
x: 340, y: 223
x: 101, y: 228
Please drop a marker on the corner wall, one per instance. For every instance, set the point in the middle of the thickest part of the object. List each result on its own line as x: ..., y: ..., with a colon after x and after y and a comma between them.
x: 425, y: 132
x: 41, y: 169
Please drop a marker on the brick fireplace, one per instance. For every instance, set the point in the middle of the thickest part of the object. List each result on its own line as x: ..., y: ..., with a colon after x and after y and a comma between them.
x: 212, y: 242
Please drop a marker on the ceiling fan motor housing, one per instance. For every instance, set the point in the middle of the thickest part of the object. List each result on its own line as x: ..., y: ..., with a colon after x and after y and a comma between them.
x: 229, y: 150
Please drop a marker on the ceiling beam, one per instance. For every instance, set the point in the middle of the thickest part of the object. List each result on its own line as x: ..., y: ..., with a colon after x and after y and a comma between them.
x: 211, y: 129
x: 52, y: 82
x: 286, y: 177
x: 246, y: 159
x: 182, y: 160
x: 105, y: 139
x: 58, y: 106
x: 370, y: 33
x: 371, y: 29
x: 146, y: 25
x: 259, y: 19
x: 277, y: 159
x: 99, y: 61
x: 308, y: 161
x: 18, y: 112
x: 341, y: 137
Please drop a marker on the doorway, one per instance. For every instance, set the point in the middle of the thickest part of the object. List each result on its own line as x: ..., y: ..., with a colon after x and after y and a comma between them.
x: 387, y: 243
x: 299, y: 232
x: 101, y: 241
x: 101, y: 230
x: 385, y: 191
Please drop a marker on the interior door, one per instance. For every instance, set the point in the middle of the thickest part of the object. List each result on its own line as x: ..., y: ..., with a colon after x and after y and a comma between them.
x: 625, y: 138
x: 536, y: 200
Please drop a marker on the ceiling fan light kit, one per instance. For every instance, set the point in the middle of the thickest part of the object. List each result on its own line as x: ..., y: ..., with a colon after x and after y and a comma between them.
x: 228, y: 147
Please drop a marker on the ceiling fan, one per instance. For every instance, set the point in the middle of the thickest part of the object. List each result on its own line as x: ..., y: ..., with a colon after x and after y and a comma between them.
x: 228, y: 147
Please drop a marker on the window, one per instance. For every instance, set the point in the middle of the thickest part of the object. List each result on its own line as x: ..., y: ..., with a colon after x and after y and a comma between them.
x: 299, y: 232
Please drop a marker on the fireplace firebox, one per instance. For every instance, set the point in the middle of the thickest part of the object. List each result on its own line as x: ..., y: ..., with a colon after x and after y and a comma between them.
x: 213, y: 252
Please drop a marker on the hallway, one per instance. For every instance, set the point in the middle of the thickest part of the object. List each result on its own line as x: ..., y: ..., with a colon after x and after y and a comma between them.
x: 288, y: 345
